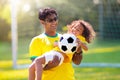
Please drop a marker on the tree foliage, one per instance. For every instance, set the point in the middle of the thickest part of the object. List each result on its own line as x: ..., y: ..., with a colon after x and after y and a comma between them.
x: 68, y: 10
x: 4, y: 20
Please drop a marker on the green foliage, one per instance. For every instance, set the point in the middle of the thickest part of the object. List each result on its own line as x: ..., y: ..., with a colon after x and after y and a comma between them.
x: 68, y: 10
x: 4, y: 30
x: 5, y: 13
x: 4, y: 20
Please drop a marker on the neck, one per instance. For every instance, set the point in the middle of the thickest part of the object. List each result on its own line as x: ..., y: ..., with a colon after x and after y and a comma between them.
x: 50, y: 33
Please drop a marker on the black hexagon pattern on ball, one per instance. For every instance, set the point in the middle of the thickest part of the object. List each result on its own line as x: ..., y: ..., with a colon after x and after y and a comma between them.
x: 70, y: 40
x: 64, y: 48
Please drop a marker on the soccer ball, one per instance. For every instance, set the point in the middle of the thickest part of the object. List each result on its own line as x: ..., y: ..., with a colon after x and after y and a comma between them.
x: 67, y: 43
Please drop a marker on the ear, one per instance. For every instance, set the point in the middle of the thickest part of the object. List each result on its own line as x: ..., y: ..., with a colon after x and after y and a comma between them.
x: 42, y: 22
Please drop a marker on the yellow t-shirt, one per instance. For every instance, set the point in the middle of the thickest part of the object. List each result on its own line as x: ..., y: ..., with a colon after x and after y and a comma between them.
x: 43, y: 43
x: 81, y: 38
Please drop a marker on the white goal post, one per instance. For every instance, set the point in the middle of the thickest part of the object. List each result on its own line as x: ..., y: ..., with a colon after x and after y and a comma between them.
x: 14, y: 32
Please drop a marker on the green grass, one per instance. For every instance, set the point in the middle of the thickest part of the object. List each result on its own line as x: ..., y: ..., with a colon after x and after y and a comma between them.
x: 97, y: 73
x: 103, y: 52
x: 99, y: 51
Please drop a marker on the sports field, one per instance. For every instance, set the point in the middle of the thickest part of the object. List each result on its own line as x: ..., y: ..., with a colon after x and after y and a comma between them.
x: 99, y: 52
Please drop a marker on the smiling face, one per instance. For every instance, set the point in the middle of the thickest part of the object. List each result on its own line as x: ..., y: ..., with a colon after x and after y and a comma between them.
x: 76, y: 28
x: 50, y: 24
x: 49, y: 19
x: 82, y: 28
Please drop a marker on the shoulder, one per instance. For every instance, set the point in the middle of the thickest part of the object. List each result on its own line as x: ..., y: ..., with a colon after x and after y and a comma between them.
x: 41, y: 36
x: 38, y: 38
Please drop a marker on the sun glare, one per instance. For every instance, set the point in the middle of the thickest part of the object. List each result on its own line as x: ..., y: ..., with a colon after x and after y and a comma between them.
x: 26, y: 7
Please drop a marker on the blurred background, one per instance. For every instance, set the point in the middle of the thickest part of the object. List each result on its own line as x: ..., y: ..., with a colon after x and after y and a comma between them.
x: 100, y: 62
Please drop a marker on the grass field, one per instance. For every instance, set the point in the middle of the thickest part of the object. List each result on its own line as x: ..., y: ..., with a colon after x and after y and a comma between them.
x: 99, y: 51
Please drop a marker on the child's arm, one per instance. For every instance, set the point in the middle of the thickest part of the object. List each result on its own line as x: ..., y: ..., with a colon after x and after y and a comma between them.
x: 84, y: 46
x: 77, y: 56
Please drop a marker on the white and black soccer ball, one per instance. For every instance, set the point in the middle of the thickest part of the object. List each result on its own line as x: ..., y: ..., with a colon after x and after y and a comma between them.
x: 67, y: 43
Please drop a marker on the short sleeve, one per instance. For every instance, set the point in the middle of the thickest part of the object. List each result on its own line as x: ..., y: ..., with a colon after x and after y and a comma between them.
x: 35, y: 48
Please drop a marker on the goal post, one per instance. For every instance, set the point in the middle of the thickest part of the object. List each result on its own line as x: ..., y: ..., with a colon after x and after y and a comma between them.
x: 14, y: 32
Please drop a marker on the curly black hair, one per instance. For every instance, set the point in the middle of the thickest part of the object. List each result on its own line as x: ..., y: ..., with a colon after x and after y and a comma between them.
x: 45, y: 12
x: 86, y: 33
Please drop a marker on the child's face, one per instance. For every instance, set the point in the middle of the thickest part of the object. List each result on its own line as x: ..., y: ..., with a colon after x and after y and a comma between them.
x: 77, y: 29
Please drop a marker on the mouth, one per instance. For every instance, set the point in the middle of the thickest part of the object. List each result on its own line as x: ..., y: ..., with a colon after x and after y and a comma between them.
x: 53, y: 26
